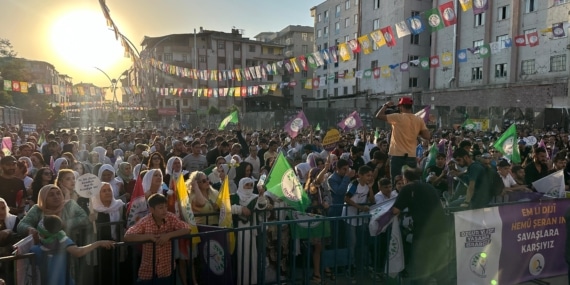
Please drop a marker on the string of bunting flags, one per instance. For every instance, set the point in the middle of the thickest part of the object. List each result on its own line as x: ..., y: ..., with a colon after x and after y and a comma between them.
x: 50, y: 89
x: 431, y: 20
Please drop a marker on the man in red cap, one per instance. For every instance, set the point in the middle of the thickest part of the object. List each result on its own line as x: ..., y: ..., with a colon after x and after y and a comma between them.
x: 406, y: 127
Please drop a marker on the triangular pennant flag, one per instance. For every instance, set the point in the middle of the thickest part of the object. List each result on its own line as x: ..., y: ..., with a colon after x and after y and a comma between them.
x: 311, y: 61
x: 8, y: 85
x: 318, y: 127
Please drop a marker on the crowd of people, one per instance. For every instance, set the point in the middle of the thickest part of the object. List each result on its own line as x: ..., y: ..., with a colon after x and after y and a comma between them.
x: 39, y: 198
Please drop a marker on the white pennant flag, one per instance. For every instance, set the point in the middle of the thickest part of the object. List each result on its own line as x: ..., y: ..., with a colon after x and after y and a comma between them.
x: 396, y: 250
x: 359, y: 73
x: 322, y: 81
x: 402, y: 29
x: 495, y: 47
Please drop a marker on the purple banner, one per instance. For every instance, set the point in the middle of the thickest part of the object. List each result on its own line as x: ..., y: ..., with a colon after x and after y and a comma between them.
x: 534, y: 234
x: 215, y: 254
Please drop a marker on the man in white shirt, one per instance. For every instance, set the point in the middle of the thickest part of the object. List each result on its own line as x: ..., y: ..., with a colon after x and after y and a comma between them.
x: 253, y: 159
x: 386, y: 193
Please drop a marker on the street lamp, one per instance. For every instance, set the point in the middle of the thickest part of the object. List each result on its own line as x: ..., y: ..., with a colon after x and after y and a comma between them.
x: 114, y: 83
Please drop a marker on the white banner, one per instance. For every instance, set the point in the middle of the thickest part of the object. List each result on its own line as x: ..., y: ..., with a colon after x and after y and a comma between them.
x: 551, y: 185
x: 478, y: 246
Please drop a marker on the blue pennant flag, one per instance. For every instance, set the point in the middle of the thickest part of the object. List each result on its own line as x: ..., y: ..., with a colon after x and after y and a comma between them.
x: 508, y: 43
x: 416, y: 25
x: 393, y: 66
x: 462, y: 55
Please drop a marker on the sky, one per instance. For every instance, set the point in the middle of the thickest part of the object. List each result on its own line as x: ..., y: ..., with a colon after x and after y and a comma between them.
x: 73, y: 35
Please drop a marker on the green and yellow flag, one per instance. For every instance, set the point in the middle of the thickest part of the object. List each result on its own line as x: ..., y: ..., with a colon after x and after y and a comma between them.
x: 186, y: 208
x: 223, y: 202
x: 283, y: 183
x: 507, y: 144
x: 232, y: 118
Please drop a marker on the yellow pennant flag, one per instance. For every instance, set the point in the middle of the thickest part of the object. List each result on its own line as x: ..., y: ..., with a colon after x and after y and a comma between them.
x: 466, y: 5
x: 223, y: 202
x: 24, y: 87
x: 365, y: 44
x: 378, y: 38
x: 309, y: 84
x: 296, y: 67
x: 343, y: 51
x: 238, y: 74
x: 446, y: 59
x: 237, y: 92
x: 186, y: 208
x: 385, y: 71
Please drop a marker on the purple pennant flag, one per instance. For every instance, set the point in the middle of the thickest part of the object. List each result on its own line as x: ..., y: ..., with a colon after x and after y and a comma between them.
x: 558, y: 30
x: 296, y: 124
x: 351, y: 122
x: 424, y: 114
x: 404, y: 66
x: 480, y: 6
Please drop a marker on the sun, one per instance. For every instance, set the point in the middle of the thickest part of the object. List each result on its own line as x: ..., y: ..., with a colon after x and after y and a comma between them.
x: 82, y: 39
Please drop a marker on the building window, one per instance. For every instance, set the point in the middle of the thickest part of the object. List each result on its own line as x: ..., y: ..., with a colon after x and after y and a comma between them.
x: 415, y: 39
x: 346, y: 22
x: 326, y: 14
x: 251, y: 48
x: 337, y: 11
x: 356, y: 19
x: 167, y: 102
x: 345, y: 90
x: 376, y: 24
x: 237, y: 47
x: 336, y: 27
x: 347, y: 4
x: 500, y: 70
x: 319, y: 18
x: 270, y: 77
x: 374, y: 64
x: 346, y: 39
x: 413, y: 82
x: 325, y: 65
x: 185, y: 102
x: 336, y: 77
x: 479, y: 20
x: 221, y: 60
x: 185, y: 58
x: 304, y: 36
x: 304, y: 49
x: 503, y: 39
x: 304, y: 73
x: 221, y: 45
x: 477, y: 73
x: 477, y: 44
x: 411, y: 58
x: 527, y: 67
x: 558, y: 63
x: 503, y: 13
x: 335, y: 92
x: 318, y: 93
x: 167, y: 57
x: 376, y: 4
x: 325, y: 91
x: 270, y: 50
x: 356, y: 35
x: 202, y: 58
x: 319, y: 33
x: 530, y: 6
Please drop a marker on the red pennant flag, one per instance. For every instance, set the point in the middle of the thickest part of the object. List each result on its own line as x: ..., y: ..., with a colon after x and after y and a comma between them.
x: 210, y: 92
x: 354, y: 46
x: 434, y: 61
x: 243, y: 91
x: 532, y: 39
x: 292, y: 83
x: 137, y: 207
x: 448, y: 14
x: 315, y: 83
x: 303, y: 61
x: 376, y: 72
x: 388, y: 36
x: 520, y: 41
x: 16, y: 86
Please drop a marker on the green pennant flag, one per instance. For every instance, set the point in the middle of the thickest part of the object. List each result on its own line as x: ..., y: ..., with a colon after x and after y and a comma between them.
x: 311, y: 60
x: 318, y: 128
x: 507, y: 144
x: 7, y: 85
x: 430, y: 159
x: 468, y: 124
x: 311, y: 228
x: 282, y: 182
x: 434, y: 19
x: 232, y: 118
x: 367, y: 73
x: 376, y: 135
x: 485, y: 50
x: 331, y: 77
x: 424, y: 63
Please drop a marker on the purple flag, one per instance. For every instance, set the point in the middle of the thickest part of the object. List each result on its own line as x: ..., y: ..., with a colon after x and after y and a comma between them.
x: 558, y: 30
x: 424, y: 114
x: 542, y: 145
x: 480, y: 6
x: 294, y: 126
x: 216, y: 256
x: 351, y: 122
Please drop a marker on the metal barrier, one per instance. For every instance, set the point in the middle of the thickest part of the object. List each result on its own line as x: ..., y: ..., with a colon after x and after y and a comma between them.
x: 271, y: 251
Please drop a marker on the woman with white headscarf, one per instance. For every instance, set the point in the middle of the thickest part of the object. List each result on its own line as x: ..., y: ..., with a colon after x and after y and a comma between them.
x: 60, y: 163
x: 152, y: 183
x: 137, y: 170
x: 244, y: 206
x: 8, y: 228
x: 31, y: 170
x: 107, y: 174
x: 118, y: 157
x: 106, y: 209
x: 173, y: 171
x: 102, y: 152
x: 302, y: 169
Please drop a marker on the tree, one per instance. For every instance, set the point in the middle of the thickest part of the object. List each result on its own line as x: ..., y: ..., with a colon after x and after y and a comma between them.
x: 213, y: 111
x: 6, y: 48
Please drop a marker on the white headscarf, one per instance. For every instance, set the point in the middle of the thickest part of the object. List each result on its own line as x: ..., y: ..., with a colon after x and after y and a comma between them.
x: 101, y: 151
x: 114, y: 210
x: 103, y: 168
x: 10, y: 220
x: 245, y: 195
x: 57, y: 164
x: 137, y: 170
x: 29, y: 162
x: 173, y: 175
x: 147, y: 180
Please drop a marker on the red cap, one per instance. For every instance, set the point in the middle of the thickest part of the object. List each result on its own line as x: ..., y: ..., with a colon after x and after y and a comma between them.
x: 406, y: 101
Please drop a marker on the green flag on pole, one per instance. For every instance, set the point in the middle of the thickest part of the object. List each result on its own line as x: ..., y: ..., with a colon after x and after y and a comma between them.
x: 283, y: 183
x: 376, y: 135
x: 468, y: 124
x: 430, y: 159
x: 232, y: 118
x: 318, y: 128
x: 507, y: 144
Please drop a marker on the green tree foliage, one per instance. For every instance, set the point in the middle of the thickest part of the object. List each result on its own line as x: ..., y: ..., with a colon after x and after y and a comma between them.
x: 213, y: 111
